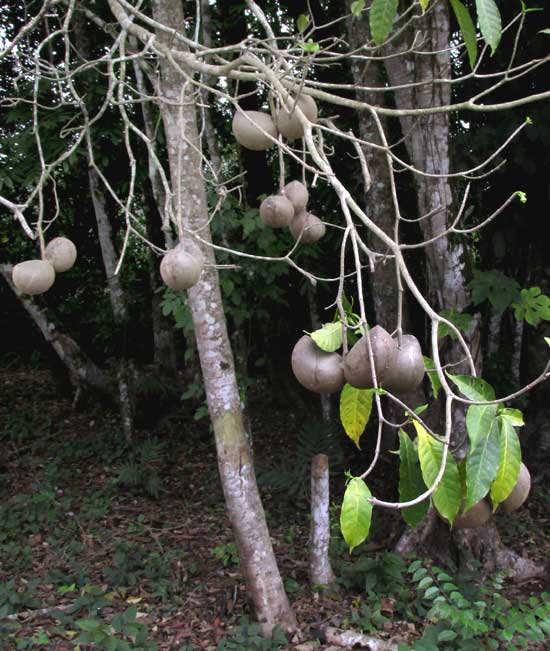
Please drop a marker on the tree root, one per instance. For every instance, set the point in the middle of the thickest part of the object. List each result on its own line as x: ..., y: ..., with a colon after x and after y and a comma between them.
x: 433, y: 538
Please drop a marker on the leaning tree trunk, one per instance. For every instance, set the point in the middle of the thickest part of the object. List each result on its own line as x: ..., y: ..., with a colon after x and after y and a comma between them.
x: 82, y: 371
x: 236, y: 470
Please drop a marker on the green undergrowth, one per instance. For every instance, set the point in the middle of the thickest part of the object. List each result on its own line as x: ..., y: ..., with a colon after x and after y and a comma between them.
x: 112, y: 540
x: 455, y: 611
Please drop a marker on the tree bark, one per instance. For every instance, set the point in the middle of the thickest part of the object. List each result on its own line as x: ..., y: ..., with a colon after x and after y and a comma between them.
x: 427, y: 142
x: 164, y: 348
x: 118, y: 305
x: 320, y: 571
x: 235, y: 465
x: 82, y: 371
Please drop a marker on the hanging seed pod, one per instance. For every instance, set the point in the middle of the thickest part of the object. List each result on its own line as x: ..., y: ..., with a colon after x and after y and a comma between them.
x: 33, y: 276
x: 315, y: 369
x: 297, y: 194
x: 357, y: 366
x: 520, y: 491
x: 276, y: 211
x: 287, y: 121
x: 247, y: 128
x: 180, y: 268
x: 407, y: 370
x: 310, y: 227
x: 475, y: 517
x: 61, y: 254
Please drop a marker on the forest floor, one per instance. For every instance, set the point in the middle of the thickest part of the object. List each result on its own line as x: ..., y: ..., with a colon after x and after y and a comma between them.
x: 106, y: 547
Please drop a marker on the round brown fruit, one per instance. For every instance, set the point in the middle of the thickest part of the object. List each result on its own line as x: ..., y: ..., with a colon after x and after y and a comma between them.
x: 310, y: 227
x: 315, y: 369
x: 357, y: 366
x: 191, y: 246
x: 33, y: 276
x: 180, y: 268
x: 288, y: 122
x: 297, y: 194
x: 61, y: 254
x: 520, y: 491
x: 407, y: 370
x: 247, y: 128
x: 276, y: 211
x: 474, y: 517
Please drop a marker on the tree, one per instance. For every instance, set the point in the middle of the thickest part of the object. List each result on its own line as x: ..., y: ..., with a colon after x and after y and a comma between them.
x: 179, y: 69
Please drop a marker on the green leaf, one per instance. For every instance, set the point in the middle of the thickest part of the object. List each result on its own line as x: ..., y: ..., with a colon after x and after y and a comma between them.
x: 411, y: 484
x: 447, y: 495
x: 479, y: 420
x: 88, y: 625
x: 468, y: 30
x: 310, y: 46
x: 482, y: 464
x: 447, y: 636
x: 509, y: 463
x: 355, y: 517
x: 462, y: 321
x: 522, y: 196
x: 533, y: 306
x: 357, y: 7
x: 494, y: 286
x: 545, y: 31
x: 474, y: 388
x: 328, y: 337
x: 302, y: 22
x: 547, y: 340
x: 489, y: 22
x: 513, y: 416
x: 424, y: 4
x: 431, y: 592
x: 432, y: 375
x: 355, y: 410
x: 381, y: 17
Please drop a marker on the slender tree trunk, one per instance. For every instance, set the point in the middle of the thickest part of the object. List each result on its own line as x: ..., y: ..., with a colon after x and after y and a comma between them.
x: 118, y: 305
x: 108, y: 254
x: 378, y: 199
x: 237, y: 473
x: 158, y: 233
x: 320, y: 570
x: 82, y: 371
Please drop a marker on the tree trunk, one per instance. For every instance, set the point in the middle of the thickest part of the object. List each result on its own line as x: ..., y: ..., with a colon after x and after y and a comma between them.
x: 108, y: 255
x: 236, y: 470
x: 380, y: 208
x: 82, y: 371
x: 164, y: 348
x: 320, y: 571
x: 118, y: 306
x: 427, y: 142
